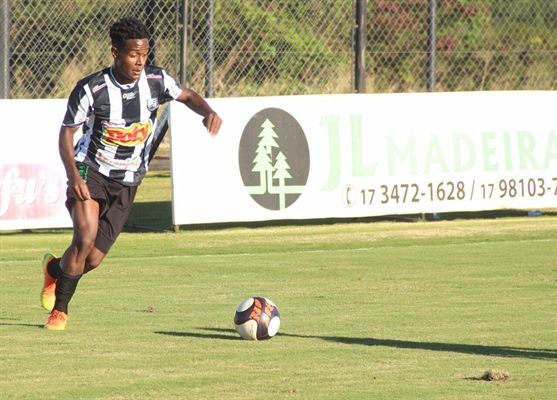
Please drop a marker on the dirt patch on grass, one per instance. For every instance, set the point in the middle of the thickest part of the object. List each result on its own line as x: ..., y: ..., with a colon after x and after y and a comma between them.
x: 492, y: 375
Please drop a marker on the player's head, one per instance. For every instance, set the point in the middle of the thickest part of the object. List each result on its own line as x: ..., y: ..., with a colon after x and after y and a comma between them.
x: 130, y: 47
x: 126, y: 29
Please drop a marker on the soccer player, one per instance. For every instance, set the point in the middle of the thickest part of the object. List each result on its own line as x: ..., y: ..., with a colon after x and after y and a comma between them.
x: 117, y: 108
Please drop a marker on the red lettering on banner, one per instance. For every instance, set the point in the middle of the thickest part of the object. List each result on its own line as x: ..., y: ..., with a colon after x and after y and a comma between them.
x: 130, y: 136
x: 30, y: 191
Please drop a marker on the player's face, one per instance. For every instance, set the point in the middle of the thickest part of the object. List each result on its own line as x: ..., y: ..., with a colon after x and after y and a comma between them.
x: 130, y: 60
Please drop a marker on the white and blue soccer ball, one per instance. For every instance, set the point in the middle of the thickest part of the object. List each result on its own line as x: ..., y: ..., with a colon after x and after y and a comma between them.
x: 257, y: 318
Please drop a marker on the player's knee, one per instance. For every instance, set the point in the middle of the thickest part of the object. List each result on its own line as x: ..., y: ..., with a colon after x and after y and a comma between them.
x: 90, y: 265
x: 94, y: 259
x: 84, y: 244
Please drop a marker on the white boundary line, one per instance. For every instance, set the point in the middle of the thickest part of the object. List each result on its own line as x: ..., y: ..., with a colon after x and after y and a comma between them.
x: 301, y: 251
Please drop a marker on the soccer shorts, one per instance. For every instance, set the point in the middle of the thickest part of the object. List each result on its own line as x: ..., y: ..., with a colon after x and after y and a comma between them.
x: 115, y: 203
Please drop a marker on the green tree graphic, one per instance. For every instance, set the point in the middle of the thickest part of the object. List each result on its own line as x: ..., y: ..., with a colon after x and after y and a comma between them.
x: 263, y: 160
x: 263, y: 163
x: 268, y: 136
x: 281, y: 168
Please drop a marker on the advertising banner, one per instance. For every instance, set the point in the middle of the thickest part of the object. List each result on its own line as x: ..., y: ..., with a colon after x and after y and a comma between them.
x: 359, y: 155
x: 32, y: 177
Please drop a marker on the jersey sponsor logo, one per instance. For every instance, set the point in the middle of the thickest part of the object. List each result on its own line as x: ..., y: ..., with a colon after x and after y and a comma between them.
x: 98, y: 87
x: 130, y: 164
x: 154, y: 76
x: 129, y: 96
x: 114, y: 123
x: 152, y: 104
x: 127, y: 136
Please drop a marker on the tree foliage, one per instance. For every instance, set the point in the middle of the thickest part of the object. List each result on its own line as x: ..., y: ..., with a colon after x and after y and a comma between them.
x: 285, y: 47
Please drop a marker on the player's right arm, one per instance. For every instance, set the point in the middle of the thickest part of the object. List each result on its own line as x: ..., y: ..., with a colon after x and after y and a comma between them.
x: 78, y: 109
x: 76, y: 184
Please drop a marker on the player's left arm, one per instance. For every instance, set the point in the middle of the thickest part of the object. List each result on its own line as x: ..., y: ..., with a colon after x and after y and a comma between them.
x: 196, y: 103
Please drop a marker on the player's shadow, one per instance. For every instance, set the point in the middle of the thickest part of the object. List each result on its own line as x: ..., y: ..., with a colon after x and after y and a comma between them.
x: 27, y: 325
x: 232, y: 336
x: 482, y: 350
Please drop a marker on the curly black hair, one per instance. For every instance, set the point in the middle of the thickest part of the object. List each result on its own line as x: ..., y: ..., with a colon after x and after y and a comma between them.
x: 125, y: 29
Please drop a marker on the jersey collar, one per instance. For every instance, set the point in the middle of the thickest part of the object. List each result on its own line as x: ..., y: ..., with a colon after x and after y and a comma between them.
x: 127, y: 85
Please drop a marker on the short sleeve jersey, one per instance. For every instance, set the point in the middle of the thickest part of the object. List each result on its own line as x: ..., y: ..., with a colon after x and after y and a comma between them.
x: 119, y: 121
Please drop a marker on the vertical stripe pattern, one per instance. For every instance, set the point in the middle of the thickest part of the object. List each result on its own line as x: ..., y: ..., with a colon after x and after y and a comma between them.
x: 119, y: 121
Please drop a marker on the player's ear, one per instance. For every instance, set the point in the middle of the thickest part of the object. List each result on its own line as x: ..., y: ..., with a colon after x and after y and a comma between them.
x: 114, y: 52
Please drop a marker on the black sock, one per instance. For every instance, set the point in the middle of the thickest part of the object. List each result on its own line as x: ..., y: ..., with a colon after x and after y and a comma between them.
x: 53, y: 267
x: 65, y: 288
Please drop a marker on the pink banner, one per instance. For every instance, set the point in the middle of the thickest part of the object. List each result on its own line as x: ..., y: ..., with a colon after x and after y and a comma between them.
x: 30, y: 191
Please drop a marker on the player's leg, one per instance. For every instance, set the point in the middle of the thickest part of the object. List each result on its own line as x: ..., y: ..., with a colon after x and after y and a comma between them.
x: 85, y: 216
x: 51, y: 269
x: 94, y: 259
x: 51, y: 265
x: 112, y: 215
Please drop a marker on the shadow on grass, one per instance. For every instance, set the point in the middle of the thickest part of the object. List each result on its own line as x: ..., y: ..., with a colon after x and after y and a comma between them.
x: 232, y: 336
x: 27, y: 325
x: 5, y: 321
x: 481, y: 350
x: 151, y: 216
x: 157, y: 216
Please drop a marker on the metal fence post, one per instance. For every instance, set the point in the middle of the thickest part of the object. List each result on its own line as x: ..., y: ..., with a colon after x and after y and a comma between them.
x: 5, y: 50
x: 431, y: 25
x: 184, y: 44
x: 210, y: 50
x: 150, y: 9
x: 360, y: 47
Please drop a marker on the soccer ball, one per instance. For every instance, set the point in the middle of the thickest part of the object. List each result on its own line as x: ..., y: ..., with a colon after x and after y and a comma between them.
x: 257, y: 318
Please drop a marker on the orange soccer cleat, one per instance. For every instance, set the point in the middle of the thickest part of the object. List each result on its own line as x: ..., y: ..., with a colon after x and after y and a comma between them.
x: 48, y: 295
x: 57, y: 321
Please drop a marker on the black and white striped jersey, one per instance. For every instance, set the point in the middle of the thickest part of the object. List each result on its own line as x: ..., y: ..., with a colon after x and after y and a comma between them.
x: 118, y: 121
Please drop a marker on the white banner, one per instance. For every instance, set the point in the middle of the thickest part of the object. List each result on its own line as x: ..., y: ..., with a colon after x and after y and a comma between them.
x: 32, y: 176
x: 303, y: 157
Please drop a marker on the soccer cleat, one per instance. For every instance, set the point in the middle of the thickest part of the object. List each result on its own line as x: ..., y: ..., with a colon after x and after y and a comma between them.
x: 48, y: 295
x: 57, y: 321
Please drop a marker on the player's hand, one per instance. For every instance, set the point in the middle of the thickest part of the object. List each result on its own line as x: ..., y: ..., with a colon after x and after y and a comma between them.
x: 213, y: 123
x: 79, y: 189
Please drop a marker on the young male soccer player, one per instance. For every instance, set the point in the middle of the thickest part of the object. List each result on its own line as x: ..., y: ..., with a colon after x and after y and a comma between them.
x: 117, y: 108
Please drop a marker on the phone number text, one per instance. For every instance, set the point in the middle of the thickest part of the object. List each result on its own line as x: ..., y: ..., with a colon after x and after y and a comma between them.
x: 449, y: 191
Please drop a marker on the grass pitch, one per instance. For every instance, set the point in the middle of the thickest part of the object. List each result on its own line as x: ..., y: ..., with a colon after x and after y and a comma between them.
x: 437, y: 310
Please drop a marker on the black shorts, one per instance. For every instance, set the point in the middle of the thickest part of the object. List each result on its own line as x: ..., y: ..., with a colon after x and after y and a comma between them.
x: 115, y: 203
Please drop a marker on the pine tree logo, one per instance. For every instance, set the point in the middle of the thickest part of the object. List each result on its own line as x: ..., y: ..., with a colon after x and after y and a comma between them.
x: 274, y: 159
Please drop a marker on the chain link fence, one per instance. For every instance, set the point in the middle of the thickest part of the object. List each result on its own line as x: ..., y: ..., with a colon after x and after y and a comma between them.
x: 56, y: 43
x: 234, y: 48
x: 480, y: 45
x: 273, y: 47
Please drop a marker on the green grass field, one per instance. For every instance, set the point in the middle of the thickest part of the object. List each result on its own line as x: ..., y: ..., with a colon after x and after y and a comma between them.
x: 374, y: 310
